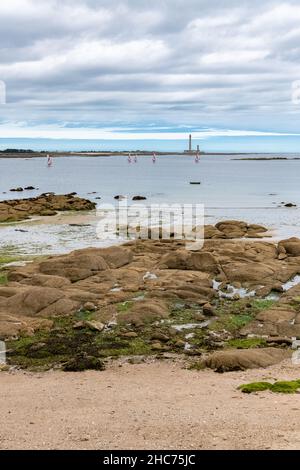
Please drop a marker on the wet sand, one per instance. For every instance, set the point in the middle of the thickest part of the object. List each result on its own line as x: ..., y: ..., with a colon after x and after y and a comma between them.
x: 147, y: 406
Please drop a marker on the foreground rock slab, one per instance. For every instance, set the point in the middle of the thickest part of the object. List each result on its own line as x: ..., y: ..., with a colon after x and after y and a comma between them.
x: 242, y: 359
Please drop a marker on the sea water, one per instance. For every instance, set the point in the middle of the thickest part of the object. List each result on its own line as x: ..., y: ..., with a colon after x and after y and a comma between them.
x: 231, y: 188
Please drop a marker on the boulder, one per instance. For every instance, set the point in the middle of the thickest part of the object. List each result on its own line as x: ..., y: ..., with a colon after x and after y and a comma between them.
x: 290, y: 246
x: 276, y: 315
x: 232, y: 223
x: 89, y: 306
x: 208, y: 310
x: 195, y: 261
x: 256, y: 228
x: 242, y: 359
x: 94, y: 325
x: 63, y: 307
x: 43, y: 280
x: 247, y: 272
x: 33, y: 300
x: 204, y: 261
x: 176, y: 260
x: 232, y: 228
x: 212, y: 232
x: 76, y: 266
x: 143, y: 312
x: 116, y: 256
x: 6, y: 291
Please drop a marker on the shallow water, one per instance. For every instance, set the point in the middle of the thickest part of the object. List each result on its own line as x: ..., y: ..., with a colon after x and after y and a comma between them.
x: 291, y: 283
x: 230, y: 189
x: 232, y: 291
x: 191, y: 326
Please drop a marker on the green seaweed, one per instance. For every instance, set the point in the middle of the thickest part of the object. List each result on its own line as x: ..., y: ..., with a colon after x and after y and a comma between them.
x: 46, y: 349
x: 124, y: 306
x: 258, y: 305
x: 83, y: 362
x: 3, y: 278
x: 278, y: 387
x: 247, y: 343
x: 85, y: 315
x: 286, y: 386
x: 255, y: 387
x: 232, y: 316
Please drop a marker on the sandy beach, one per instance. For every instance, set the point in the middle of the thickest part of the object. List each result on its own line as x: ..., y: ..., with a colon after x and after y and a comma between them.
x: 147, y: 406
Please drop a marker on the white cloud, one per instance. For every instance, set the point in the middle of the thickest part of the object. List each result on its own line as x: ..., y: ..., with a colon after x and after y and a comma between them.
x: 238, y: 57
x: 99, y: 55
x: 21, y: 129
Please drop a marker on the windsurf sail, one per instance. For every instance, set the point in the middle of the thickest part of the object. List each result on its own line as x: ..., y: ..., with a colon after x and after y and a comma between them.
x: 49, y: 160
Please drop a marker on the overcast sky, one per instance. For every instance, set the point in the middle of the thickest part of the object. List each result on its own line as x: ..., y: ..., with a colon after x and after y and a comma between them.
x: 135, y: 68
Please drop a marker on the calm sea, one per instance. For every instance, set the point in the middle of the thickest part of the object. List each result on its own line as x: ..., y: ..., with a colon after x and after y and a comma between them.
x: 230, y: 189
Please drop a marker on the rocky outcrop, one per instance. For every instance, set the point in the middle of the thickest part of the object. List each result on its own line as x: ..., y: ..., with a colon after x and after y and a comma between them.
x: 55, y: 287
x: 45, y: 204
x: 142, y: 283
x: 235, y: 229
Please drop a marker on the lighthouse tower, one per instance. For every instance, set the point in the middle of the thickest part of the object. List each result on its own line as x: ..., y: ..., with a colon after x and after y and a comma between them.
x: 190, y: 143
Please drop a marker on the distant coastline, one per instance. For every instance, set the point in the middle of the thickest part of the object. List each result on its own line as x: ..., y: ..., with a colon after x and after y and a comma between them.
x: 22, y: 153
